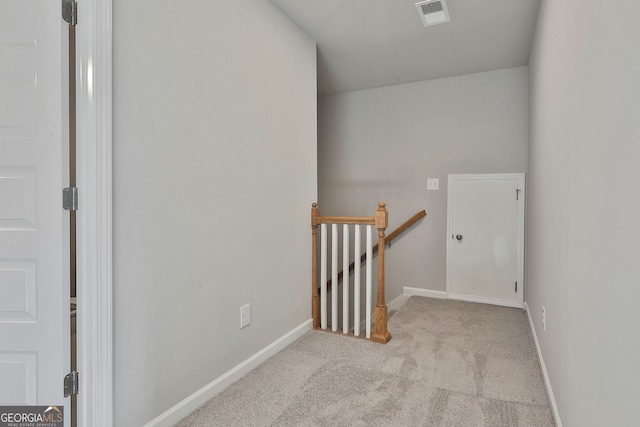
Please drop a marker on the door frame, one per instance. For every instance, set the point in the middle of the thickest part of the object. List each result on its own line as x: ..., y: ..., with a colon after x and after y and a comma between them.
x: 520, y: 243
x: 94, y: 216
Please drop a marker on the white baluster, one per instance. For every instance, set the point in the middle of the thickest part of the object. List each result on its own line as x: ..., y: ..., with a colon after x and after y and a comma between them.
x: 323, y: 276
x: 369, y: 269
x: 334, y: 277
x: 356, y: 283
x: 345, y: 279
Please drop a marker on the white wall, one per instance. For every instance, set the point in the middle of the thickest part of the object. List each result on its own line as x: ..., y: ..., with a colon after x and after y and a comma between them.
x: 214, y: 175
x: 382, y: 145
x: 583, y: 228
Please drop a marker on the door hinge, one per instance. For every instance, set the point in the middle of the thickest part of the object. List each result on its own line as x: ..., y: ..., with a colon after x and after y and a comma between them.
x: 71, y: 381
x: 518, y: 193
x: 70, y: 12
x: 516, y: 287
x: 70, y: 199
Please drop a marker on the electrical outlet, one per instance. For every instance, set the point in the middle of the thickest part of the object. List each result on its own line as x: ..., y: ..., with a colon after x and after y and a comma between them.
x: 544, y: 319
x: 245, y: 315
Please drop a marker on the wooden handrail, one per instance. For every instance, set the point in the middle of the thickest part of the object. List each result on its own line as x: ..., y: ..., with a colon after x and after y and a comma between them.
x: 404, y: 227
x: 361, y: 220
x: 394, y: 234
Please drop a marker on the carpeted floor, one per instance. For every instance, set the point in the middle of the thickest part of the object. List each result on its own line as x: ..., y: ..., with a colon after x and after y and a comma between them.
x: 449, y: 363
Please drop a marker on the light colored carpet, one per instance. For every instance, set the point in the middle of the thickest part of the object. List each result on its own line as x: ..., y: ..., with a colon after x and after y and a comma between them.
x: 449, y: 363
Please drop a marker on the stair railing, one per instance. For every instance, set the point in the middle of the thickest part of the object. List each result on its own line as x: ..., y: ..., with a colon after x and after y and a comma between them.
x: 319, y: 301
x: 387, y: 241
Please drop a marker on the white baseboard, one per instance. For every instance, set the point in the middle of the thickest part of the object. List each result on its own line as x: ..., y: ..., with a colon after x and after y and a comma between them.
x: 484, y: 300
x: 545, y: 375
x: 398, y: 302
x: 200, y: 397
x: 424, y: 293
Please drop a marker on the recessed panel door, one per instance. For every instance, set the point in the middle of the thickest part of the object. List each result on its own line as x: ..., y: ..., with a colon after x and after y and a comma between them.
x: 34, y: 307
x: 485, y: 238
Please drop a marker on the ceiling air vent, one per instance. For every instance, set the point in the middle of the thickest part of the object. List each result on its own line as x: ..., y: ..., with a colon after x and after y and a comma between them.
x: 433, y: 12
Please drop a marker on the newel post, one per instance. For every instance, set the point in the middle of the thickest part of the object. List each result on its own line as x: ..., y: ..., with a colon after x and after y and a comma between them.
x: 315, y: 298
x: 380, y: 333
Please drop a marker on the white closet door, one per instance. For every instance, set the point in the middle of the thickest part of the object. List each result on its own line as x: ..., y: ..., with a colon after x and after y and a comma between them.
x: 486, y: 238
x: 34, y: 290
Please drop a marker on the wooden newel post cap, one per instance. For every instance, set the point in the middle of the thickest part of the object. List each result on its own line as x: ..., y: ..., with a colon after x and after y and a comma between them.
x: 382, y: 216
x: 315, y: 213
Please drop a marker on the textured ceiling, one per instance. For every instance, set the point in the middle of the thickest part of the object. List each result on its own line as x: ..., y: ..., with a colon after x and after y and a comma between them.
x: 364, y: 44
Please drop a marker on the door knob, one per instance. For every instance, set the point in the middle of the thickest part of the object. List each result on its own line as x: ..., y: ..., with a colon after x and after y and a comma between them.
x: 459, y: 236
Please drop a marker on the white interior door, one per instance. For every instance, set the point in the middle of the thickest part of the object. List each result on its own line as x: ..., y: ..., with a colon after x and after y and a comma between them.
x: 485, y: 250
x: 34, y: 289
